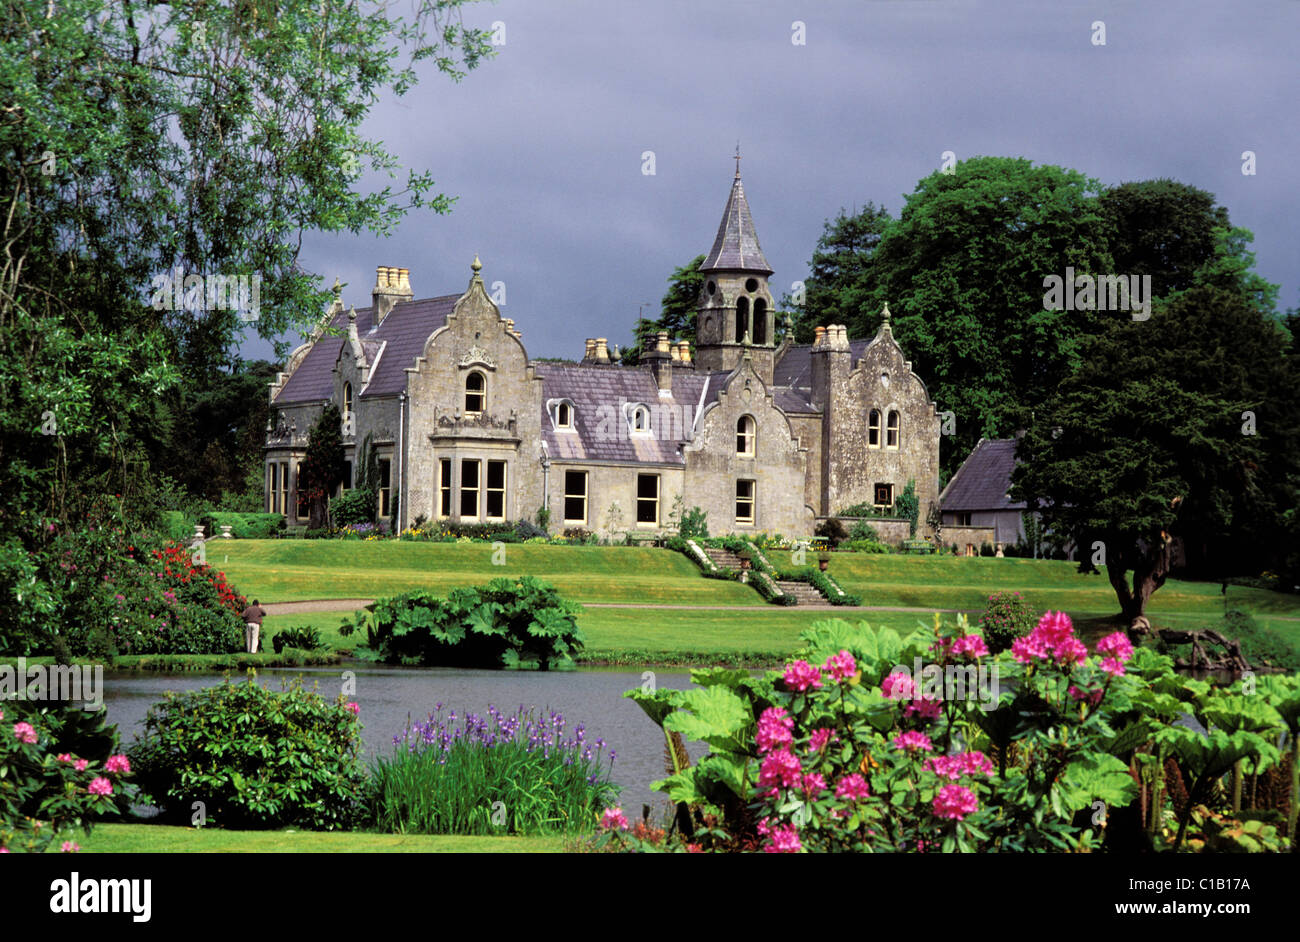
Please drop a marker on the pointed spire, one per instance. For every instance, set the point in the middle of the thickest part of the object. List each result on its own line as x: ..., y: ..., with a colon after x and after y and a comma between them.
x: 736, y: 247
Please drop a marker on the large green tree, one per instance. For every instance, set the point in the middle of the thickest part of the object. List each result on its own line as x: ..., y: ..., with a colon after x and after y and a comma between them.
x: 841, y: 286
x: 146, y: 144
x: 1175, y: 442
x: 963, y: 273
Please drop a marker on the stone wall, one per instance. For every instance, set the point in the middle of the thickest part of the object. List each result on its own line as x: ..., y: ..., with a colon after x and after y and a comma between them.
x: 778, y: 468
x: 967, y: 536
x: 475, y: 338
x: 612, y: 497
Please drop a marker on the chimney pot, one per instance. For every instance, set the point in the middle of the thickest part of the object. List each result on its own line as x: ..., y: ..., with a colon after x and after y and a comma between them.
x: 661, y: 344
x: 602, y: 350
x: 819, y: 336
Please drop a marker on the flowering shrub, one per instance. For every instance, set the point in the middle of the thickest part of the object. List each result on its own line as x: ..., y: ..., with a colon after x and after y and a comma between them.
x: 499, y: 774
x: 1006, y: 618
x: 256, y: 758
x: 49, y: 791
x: 850, y: 748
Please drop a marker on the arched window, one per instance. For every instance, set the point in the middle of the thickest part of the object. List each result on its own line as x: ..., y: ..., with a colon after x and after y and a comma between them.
x: 745, y: 436
x: 873, y: 429
x: 475, y: 393
x: 639, y: 419
x: 760, y: 321
x: 564, y: 415
x: 347, y: 399
x: 742, y: 319
x: 891, y: 431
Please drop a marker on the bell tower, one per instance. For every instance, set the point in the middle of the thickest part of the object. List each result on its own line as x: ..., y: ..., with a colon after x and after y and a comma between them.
x: 735, y: 313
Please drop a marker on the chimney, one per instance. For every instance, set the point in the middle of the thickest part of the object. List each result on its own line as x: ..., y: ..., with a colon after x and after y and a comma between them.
x: 684, y: 353
x: 590, y: 353
x: 819, y: 336
x: 661, y: 362
x: 510, y: 326
x: 602, y: 350
x: 391, y: 286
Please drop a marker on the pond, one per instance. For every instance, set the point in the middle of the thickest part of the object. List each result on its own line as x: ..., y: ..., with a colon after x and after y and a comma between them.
x: 388, y: 695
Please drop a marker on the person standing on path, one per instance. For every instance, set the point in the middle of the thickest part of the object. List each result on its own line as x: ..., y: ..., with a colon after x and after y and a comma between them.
x: 253, y: 625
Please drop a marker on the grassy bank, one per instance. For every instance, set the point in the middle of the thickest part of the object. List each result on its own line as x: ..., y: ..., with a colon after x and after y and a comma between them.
x: 292, y: 570
x: 163, y: 839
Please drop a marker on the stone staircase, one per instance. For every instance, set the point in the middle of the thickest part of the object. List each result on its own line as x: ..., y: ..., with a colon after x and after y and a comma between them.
x: 804, y: 594
x: 721, y: 557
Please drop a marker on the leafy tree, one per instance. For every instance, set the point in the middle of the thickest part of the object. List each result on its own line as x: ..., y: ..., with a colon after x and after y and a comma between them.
x: 1176, y: 439
x: 676, y: 312
x: 963, y: 270
x: 143, y: 141
x: 1164, y: 229
x: 841, y: 283
x: 323, y: 466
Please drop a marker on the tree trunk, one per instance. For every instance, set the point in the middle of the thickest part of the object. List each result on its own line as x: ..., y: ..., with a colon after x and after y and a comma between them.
x: 1150, y: 568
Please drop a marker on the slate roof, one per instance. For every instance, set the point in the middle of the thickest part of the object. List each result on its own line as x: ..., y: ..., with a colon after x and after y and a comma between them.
x: 736, y: 246
x: 795, y: 368
x: 598, y: 393
x: 983, y: 480
x: 401, y: 336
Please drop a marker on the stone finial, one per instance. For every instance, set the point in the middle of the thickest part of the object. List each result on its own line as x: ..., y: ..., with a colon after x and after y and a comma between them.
x: 885, y: 315
x: 352, y: 315
x: 476, y: 266
x: 338, y: 287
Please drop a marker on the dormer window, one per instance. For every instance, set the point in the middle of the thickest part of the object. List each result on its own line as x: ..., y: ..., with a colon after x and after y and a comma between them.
x: 475, y: 393
x: 638, y: 419
x: 562, y: 414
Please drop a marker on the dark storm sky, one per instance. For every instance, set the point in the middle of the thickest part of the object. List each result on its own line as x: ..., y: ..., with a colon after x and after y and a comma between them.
x: 543, y: 144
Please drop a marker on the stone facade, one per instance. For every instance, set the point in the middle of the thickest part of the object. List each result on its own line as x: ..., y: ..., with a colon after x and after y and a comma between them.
x: 763, y: 438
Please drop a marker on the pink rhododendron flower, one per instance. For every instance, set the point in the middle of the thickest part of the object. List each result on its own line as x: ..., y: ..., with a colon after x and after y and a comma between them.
x: 1092, y: 696
x: 613, y: 818
x: 913, y: 741
x: 926, y: 709
x: 841, y: 666
x: 70, y: 847
x: 80, y: 764
x: 820, y: 737
x: 852, y: 788
x: 353, y: 708
x: 64, y: 757
x: 898, y: 686
x: 101, y: 786
x: 25, y: 732
x: 1117, y: 645
x: 955, y: 802
x: 801, y: 675
x: 972, y: 645
x: 4, y: 850
x: 1113, y: 667
x: 783, y: 840
x: 780, y: 767
x: 814, y: 783
x: 1051, y: 640
x: 774, y: 727
x: 117, y: 763
x: 963, y: 763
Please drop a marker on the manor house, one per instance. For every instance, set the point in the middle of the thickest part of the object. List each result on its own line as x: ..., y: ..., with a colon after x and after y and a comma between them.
x: 763, y: 436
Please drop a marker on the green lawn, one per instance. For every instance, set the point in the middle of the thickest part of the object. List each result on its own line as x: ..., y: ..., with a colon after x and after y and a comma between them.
x: 965, y: 583
x: 292, y: 570
x: 163, y: 839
